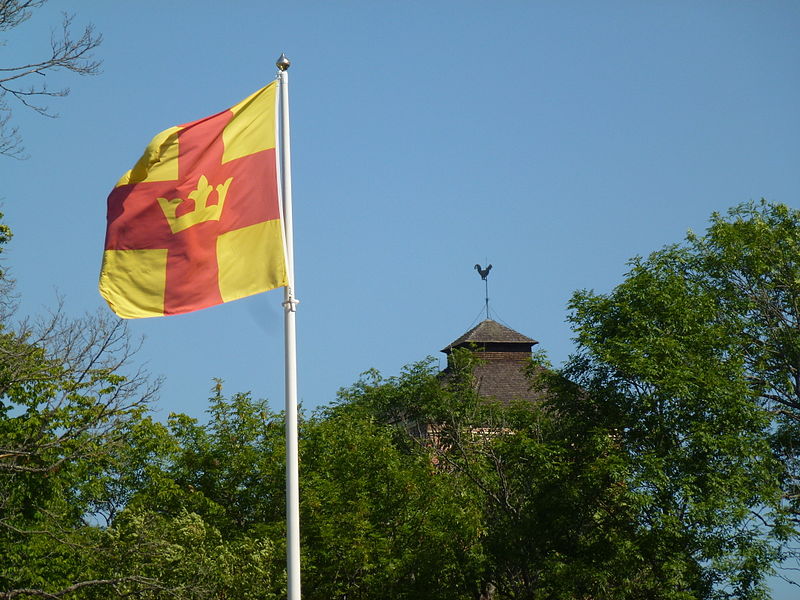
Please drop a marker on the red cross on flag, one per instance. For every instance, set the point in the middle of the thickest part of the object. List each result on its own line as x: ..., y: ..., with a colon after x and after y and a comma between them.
x: 197, y: 221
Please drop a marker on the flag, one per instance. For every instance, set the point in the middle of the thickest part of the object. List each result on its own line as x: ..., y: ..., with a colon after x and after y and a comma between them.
x: 197, y: 221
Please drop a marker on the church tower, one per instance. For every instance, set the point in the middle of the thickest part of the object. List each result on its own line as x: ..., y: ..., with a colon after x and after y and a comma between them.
x: 504, y: 355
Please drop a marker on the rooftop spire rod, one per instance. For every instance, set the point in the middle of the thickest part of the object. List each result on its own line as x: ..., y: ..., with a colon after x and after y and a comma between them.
x: 484, y: 273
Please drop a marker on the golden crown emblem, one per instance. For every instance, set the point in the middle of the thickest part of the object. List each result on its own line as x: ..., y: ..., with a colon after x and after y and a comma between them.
x: 202, y: 211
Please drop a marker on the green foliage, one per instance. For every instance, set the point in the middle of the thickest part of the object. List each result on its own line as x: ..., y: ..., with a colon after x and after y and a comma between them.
x: 184, y: 555
x: 235, y: 461
x: 64, y: 412
x: 684, y: 362
x: 5, y: 234
x: 380, y: 520
x: 750, y: 261
x: 377, y: 519
x: 66, y: 416
x: 661, y: 463
x: 549, y: 509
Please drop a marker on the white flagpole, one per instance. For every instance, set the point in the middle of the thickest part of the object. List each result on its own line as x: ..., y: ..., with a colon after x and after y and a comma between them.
x: 290, y: 307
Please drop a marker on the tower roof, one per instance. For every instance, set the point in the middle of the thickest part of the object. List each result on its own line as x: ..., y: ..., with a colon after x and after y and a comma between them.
x: 490, y: 332
x: 505, y: 354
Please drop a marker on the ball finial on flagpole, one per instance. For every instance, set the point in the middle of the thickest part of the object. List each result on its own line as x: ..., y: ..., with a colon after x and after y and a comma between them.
x: 283, y: 63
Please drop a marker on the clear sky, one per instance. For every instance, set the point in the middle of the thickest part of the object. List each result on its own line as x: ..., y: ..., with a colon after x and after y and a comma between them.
x: 554, y: 139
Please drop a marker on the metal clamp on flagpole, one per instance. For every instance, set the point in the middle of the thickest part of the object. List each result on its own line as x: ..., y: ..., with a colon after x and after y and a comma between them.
x: 290, y: 304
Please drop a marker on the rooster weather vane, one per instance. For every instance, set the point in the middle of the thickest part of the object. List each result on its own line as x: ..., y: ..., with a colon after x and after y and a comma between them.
x: 484, y: 273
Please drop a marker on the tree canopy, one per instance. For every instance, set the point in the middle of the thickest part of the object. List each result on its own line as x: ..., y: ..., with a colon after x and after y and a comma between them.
x: 660, y: 463
x: 708, y: 331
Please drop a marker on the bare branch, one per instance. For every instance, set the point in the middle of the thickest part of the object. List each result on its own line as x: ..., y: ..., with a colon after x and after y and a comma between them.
x: 10, y: 140
x: 146, y: 582
x: 27, y: 83
x: 14, y: 12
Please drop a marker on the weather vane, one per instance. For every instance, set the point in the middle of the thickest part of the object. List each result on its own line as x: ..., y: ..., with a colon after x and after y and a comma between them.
x: 484, y: 273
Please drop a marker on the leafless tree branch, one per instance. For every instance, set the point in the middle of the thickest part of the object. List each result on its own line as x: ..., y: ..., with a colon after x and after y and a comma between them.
x: 144, y: 582
x: 27, y: 83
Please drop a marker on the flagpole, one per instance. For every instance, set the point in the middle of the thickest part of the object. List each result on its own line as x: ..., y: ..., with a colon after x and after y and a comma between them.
x: 290, y: 307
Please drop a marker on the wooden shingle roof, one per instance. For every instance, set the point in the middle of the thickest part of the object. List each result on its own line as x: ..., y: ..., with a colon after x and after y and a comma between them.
x: 505, y: 356
x: 491, y: 332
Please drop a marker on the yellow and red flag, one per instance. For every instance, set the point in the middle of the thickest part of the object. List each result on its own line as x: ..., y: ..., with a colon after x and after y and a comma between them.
x: 197, y: 221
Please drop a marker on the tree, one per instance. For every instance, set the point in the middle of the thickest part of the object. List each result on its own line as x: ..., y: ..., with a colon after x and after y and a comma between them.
x: 749, y: 261
x: 66, y: 412
x: 26, y: 83
x: 660, y: 464
x: 87, y: 506
x: 554, y: 519
x: 377, y: 521
x: 692, y: 363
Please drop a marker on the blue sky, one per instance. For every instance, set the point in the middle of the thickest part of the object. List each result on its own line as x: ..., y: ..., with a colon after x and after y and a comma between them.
x: 554, y: 139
